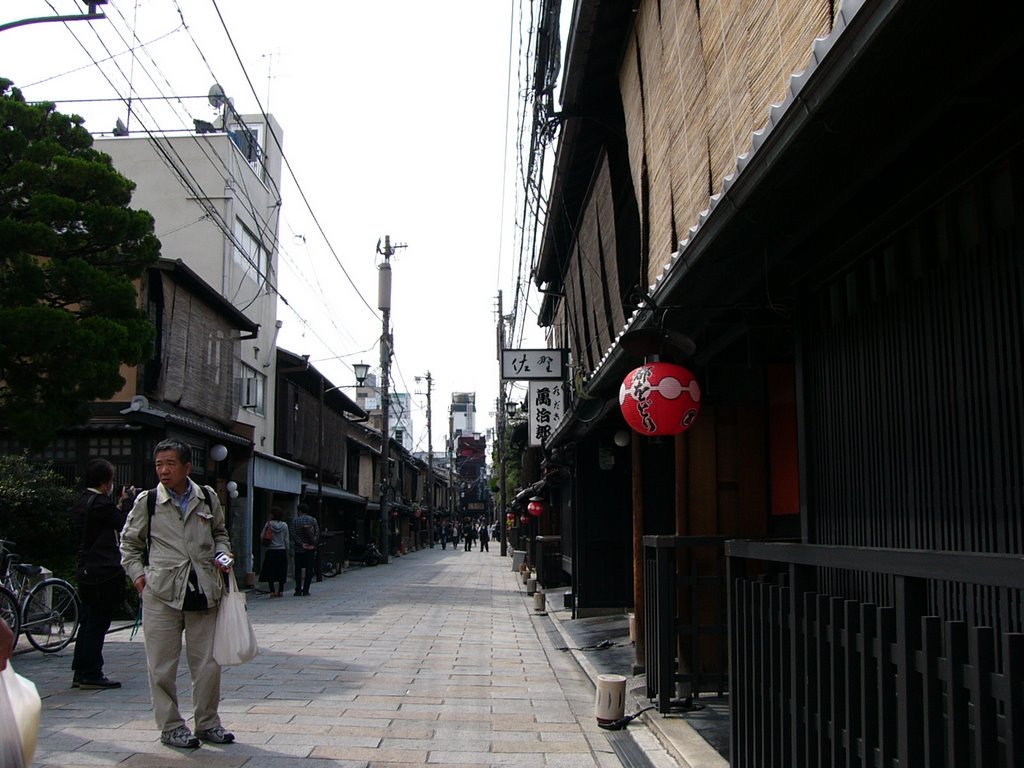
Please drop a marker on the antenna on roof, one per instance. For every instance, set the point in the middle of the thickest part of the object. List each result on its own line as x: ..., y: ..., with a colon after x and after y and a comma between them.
x: 217, y: 96
x: 218, y: 99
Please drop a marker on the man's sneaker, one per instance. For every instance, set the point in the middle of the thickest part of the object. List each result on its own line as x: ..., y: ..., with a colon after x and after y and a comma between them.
x: 180, y: 737
x: 217, y: 735
x: 96, y: 684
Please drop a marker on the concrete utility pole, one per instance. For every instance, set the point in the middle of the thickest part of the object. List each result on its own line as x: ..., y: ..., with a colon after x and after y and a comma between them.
x: 501, y: 432
x: 384, y: 305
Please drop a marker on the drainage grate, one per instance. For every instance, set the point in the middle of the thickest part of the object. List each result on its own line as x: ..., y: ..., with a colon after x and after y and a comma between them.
x: 628, y: 751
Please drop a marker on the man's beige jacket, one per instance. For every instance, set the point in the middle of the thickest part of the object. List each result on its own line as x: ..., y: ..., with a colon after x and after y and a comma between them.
x: 178, y: 543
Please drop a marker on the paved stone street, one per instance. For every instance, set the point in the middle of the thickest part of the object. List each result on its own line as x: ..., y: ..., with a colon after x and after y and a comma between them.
x: 437, y: 658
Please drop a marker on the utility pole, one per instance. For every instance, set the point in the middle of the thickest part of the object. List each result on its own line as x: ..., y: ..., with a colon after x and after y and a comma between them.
x: 384, y: 305
x: 501, y: 432
x: 430, y: 465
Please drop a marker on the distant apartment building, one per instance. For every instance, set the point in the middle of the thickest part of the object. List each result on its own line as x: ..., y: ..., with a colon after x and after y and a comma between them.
x: 463, y: 413
x: 400, y: 421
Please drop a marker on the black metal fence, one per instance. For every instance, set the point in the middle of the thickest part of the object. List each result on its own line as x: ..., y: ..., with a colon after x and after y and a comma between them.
x: 684, y: 617
x: 934, y: 678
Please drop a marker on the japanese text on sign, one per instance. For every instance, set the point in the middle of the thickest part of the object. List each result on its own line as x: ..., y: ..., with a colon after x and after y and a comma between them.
x: 527, y: 364
x: 547, y: 406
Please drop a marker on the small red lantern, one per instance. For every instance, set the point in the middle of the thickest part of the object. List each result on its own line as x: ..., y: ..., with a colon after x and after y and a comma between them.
x: 510, y: 516
x: 660, y: 399
x: 524, y: 519
x: 536, y: 506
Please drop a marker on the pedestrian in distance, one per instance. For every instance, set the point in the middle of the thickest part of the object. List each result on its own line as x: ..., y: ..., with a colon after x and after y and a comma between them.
x: 305, y: 531
x: 275, y: 556
x: 469, y: 534
x: 443, y: 534
x: 175, y: 548
x: 484, y: 538
x: 97, y: 522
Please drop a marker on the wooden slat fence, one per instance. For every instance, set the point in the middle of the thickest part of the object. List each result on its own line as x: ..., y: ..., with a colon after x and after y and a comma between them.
x: 685, y: 617
x: 821, y: 680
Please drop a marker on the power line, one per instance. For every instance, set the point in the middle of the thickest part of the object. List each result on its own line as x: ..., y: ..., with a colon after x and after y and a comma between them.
x: 288, y: 165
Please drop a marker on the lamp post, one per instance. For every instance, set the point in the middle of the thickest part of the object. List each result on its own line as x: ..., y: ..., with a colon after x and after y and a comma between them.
x: 93, y: 14
x: 430, y: 465
x: 361, y: 371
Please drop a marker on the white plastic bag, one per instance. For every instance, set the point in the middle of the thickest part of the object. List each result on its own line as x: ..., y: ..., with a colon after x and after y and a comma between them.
x: 234, y: 640
x: 20, y: 709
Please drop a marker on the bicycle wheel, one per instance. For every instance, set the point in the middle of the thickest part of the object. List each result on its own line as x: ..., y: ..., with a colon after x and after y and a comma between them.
x: 9, y: 613
x: 50, y: 615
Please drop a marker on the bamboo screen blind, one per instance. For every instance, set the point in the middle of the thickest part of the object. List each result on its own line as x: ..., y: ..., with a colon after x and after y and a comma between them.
x: 592, y: 279
x: 695, y: 86
x: 198, y: 355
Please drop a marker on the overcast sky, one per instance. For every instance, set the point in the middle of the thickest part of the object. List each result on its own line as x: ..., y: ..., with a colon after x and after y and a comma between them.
x: 394, y: 120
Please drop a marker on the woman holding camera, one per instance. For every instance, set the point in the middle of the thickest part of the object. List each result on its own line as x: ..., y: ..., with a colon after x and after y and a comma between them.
x: 101, y: 587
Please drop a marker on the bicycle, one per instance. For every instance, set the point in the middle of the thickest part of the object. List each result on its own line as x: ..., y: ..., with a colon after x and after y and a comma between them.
x: 46, y: 612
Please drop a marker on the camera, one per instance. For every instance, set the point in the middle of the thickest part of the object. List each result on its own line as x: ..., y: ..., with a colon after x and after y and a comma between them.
x: 224, y: 560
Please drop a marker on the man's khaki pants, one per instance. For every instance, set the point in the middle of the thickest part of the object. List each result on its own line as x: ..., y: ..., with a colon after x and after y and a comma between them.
x: 163, y: 626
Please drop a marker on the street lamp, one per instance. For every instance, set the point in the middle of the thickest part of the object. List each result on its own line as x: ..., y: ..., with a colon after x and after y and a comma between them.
x: 361, y: 370
x: 93, y: 14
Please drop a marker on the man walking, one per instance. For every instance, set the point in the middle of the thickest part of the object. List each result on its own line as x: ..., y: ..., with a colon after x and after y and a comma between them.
x: 305, y: 532
x: 174, y: 546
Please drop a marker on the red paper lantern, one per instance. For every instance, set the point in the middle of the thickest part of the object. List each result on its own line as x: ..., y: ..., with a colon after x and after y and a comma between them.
x: 660, y: 399
x: 524, y: 519
x: 535, y: 507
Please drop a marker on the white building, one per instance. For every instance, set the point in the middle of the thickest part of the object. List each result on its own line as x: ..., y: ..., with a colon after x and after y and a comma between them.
x: 463, y: 413
x: 215, y: 198
x: 400, y: 421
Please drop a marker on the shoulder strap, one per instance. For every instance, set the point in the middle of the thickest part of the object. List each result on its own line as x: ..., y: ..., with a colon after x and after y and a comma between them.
x: 151, y: 507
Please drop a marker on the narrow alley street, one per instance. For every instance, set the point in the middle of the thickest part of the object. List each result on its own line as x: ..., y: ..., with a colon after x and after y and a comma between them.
x: 435, y: 659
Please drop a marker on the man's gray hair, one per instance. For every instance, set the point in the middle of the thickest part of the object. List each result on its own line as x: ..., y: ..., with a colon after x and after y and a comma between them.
x: 172, y: 444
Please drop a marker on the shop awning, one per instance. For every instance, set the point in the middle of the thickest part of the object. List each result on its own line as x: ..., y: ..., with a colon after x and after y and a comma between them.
x: 334, y: 492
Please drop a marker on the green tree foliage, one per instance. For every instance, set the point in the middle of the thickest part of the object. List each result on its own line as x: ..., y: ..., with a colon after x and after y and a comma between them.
x: 516, y: 437
x: 34, y: 513
x: 70, y: 248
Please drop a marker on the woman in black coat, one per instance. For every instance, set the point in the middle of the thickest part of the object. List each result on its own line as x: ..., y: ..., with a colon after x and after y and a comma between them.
x: 101, y: 586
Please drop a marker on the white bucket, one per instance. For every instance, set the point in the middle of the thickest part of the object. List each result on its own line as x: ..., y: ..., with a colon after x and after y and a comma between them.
x: 531, y: 585
x: 611, y: 698
x: 538, y: 601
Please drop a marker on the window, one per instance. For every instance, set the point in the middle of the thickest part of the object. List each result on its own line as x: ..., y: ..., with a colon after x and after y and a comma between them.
x: 246, y: 139
x: 213, y: 353
x: 250, y: 257
x: 253, y: 389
